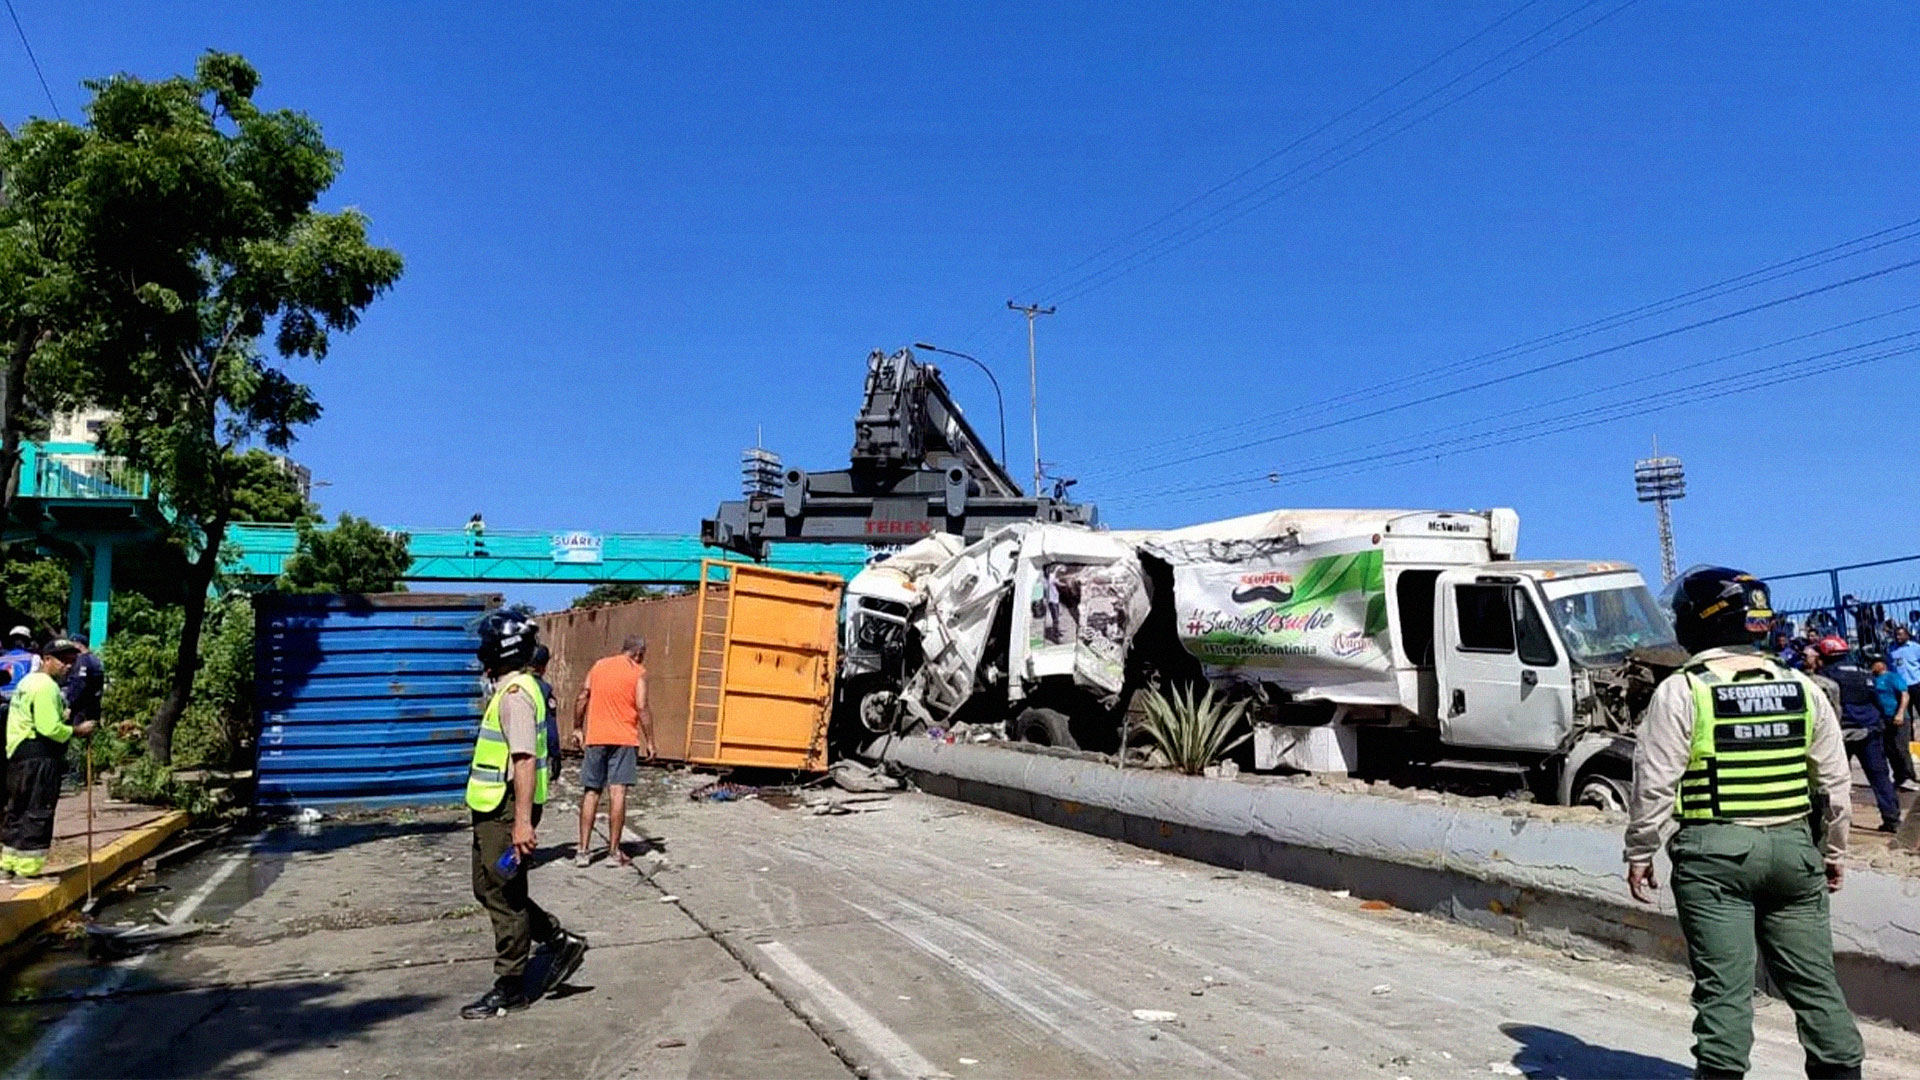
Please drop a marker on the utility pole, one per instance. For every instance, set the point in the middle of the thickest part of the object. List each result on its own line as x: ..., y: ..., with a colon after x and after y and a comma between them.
x: 1660, y: 480
x: 1032, y: 312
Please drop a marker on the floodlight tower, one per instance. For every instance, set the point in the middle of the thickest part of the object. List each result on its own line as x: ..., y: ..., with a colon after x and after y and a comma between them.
x: 760, y: 470
x: 1660, y: 480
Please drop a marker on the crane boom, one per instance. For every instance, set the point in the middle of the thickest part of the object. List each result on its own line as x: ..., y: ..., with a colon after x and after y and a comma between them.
x: 917, y: 467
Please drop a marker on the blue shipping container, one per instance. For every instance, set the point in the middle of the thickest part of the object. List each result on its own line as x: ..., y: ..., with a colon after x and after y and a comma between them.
x: 366, y: 700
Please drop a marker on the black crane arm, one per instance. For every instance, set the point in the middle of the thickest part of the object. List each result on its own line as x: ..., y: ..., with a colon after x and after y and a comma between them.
x: 917, y: 467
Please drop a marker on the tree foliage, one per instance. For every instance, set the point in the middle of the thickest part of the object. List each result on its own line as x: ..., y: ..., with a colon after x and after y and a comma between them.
x: 33, y: 588
x: 265, y: 490
x: 355, y: 556
x: 145, y: 256
x: 616, y: 592
x: 139, y: 656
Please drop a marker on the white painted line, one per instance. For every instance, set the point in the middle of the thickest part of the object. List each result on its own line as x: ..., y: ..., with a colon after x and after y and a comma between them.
x: 54, y: 1043
x: 899, y: 1058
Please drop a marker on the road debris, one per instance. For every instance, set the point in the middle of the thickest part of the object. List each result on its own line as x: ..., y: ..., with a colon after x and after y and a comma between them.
x: 722, y: 791
x: 1155, y: 1016
x: 858, y: 776
x: 114, y: 942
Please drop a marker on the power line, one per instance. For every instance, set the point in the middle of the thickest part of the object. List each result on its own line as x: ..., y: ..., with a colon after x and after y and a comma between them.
x: 1423, y: 441
x: 1301, y: 140
x: 1653, y: 403
x: 1423, y: 446
x: 1196, y: 230
x: 1546, y: 404
x: 1282, y: 151
x: 1896, y: 234
x: 1534, y: 370
x: 34, y: 60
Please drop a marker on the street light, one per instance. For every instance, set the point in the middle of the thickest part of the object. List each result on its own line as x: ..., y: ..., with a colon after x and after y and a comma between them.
x: 997, y: 399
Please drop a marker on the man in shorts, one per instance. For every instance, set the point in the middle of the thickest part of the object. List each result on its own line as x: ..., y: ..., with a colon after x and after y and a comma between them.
x: 612, y: 709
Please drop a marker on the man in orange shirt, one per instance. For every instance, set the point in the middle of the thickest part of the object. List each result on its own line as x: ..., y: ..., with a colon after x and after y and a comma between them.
x: 612, y: 705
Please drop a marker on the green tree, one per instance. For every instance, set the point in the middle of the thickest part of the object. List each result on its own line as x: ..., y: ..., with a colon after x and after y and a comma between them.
x: 355, y: 556
x: 145, y: 257
x: 263, y: 490
x: 35, y: 586
x: 616, y: 592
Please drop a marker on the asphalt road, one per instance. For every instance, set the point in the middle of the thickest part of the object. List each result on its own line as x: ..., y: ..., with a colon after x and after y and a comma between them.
x: 916, y: 937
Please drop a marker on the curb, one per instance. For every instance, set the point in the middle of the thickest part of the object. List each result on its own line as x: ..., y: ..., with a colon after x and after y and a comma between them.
x: 1511, y: 873
x: 33, y: 906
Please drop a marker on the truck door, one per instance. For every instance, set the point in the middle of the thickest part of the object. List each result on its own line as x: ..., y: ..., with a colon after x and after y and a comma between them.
x: 1504, y: 681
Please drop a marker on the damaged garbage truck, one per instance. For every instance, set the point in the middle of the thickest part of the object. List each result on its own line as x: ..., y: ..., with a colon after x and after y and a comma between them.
x: 1406, y: 645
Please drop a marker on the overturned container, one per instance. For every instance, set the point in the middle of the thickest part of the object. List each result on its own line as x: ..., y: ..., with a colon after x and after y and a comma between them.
x: 739, y: 670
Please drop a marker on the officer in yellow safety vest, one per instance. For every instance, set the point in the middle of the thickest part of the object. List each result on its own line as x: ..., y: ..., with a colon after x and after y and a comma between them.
x: 506, y: 789
x: 37, y: 735
x: 1735, y: 746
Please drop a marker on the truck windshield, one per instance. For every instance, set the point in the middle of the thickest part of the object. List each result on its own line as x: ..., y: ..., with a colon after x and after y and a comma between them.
x: 1603, y: 626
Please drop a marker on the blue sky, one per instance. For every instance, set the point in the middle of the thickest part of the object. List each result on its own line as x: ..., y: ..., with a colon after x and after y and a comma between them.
x: 636, y: 234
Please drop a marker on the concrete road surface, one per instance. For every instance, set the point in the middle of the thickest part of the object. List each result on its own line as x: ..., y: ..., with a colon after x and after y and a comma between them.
x: 916, y: 937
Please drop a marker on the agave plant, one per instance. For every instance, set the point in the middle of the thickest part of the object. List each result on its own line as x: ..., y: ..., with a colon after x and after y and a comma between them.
x: 1192, y: 732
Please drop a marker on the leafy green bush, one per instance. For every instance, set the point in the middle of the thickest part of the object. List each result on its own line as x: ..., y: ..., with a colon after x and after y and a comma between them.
x: 35, y: 586
x: 144, y: 780
x: 139, y: 657
x: 1191, y: 732
x: 355, y: 556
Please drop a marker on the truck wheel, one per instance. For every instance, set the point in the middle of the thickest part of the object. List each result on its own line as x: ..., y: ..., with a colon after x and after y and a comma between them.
x: 1045, y: 727
x: 1601, y: 792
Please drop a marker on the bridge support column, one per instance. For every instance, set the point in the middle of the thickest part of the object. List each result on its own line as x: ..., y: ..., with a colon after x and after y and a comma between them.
x: 76, y: 595
x: 102, y: 593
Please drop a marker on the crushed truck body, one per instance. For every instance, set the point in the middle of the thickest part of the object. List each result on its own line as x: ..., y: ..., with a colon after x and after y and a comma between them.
x: 1385, y: 642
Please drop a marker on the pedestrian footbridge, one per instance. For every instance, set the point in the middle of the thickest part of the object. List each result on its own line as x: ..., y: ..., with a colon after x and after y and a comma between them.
x: 562, y: 558
x: 80, y: 505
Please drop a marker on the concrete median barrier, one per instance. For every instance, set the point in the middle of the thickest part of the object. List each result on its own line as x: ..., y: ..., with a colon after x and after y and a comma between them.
x: 1506, y: 870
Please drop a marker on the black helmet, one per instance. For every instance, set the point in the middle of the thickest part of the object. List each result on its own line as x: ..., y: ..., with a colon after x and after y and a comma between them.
x: 1713, y: 606
x: 506, y: 641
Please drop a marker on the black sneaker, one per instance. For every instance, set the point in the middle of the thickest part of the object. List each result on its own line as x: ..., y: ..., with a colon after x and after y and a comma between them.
x: 568, y: 950
x: 1888, y: 826
x: 498, y: 1001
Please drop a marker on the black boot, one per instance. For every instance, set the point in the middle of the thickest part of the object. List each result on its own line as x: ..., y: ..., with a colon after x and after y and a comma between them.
x: 498, y: 1001
x: 568, y: 950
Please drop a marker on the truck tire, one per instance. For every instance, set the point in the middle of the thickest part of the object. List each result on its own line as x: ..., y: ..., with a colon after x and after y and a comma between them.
x: 1598, y: 790
x: 1045, y: 727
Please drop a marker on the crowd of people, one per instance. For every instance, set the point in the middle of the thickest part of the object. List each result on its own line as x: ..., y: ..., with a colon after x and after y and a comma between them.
x: 52, y: 691
x: 1875, y: 689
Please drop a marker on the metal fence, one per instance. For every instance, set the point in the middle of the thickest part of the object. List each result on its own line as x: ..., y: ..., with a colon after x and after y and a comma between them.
x: 86, y: 476
x: 1837, y: 598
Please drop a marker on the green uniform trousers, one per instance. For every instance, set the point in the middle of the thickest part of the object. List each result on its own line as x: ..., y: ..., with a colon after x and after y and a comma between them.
x: 1738, y: 884
x: 518, y: 922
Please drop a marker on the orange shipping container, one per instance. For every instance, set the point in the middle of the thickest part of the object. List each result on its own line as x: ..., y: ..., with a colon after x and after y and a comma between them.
x: 739, y: 673
x: 763, y: 667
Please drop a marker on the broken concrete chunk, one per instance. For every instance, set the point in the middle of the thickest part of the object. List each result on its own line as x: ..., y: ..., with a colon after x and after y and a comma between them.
x: 854, y: 775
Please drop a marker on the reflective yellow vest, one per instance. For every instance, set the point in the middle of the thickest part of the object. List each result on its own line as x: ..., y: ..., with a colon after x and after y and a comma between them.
x: 492, y: 764
x: 37, y: 710
x: 1751, y: 737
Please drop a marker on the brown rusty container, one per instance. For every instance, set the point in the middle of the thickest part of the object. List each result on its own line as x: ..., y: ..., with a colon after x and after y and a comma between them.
x: 580, y: 637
